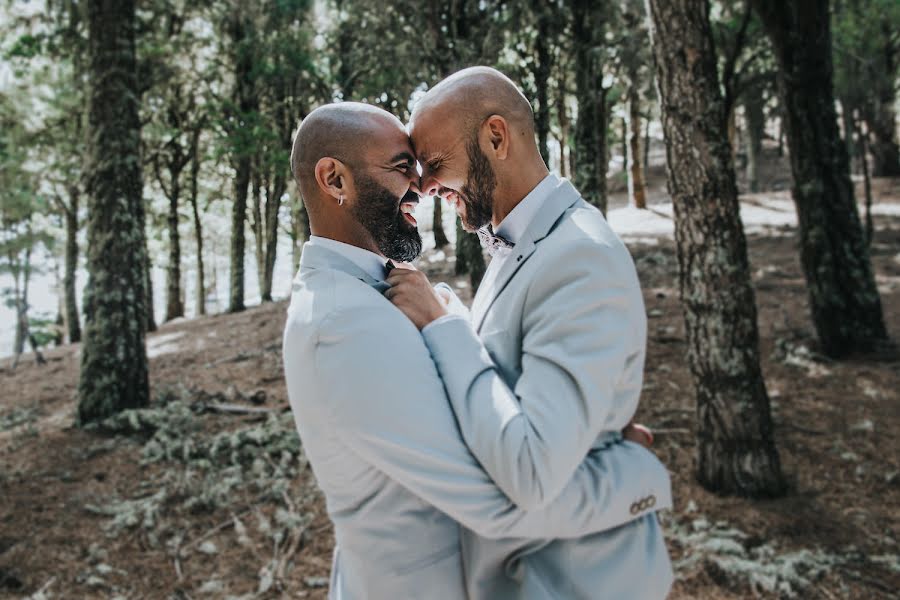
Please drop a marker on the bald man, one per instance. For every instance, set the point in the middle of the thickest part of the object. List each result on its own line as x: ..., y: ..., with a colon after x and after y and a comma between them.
x: 553, y: 356
x: 367, y: 399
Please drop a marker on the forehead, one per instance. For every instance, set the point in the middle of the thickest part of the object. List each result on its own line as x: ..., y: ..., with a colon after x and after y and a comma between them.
x: 432, y: 133
x: 388, y: 139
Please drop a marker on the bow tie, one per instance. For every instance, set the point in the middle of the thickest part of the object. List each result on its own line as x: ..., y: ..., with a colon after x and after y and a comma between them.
x: 496, y: 245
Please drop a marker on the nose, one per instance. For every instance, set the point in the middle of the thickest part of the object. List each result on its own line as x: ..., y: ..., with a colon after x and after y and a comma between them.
x: 429, y: 185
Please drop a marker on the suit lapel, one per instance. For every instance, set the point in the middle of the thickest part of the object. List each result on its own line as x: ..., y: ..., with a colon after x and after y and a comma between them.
x: 562, y: 198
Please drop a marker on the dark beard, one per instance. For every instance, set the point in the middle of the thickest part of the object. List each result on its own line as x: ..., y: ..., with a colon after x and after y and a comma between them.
x: 378, y: 211
x: 478, y: 193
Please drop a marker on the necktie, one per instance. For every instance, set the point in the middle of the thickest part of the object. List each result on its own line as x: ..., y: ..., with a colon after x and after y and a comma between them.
x: 496, y: 245
x: 383, y: 286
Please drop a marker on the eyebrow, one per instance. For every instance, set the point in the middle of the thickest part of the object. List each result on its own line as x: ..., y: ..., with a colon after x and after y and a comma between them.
x: 403, y: 156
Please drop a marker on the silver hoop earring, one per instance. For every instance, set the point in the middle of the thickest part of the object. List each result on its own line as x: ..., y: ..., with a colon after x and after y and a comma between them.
x: 341, y: 201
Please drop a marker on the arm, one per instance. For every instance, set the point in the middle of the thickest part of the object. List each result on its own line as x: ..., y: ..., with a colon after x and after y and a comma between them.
x: 581, y: 320
x: 389, y: 409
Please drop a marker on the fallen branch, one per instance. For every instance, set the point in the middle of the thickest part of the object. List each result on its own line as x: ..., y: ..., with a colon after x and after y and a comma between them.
x: 240, y: 409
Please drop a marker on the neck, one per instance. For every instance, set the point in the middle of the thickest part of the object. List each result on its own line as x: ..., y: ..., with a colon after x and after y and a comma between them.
x: 513, y: 188
x: 342, y: 231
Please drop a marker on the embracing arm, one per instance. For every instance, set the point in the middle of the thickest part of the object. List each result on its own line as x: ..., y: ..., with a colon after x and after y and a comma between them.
x: 582, y: 320
x: 392, y: 411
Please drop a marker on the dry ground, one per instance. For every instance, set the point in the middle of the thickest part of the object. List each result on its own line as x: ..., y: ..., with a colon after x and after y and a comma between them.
x: 837, y: 427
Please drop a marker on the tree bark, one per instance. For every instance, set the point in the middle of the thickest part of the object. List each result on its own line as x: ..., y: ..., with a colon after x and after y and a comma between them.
x: 73, y: 324
x: 562, y: 116
x: 469, y: 256
x: 882, y: 124
x: 238, y: 239
x: 636, y: 189
x: 273, y: 206
x: 846, y: 307
x: 590, y: 127
x: 150, y: 317
x: 867, y: 190
x: 756, y: 122
x: 437, y: 224
x: 244, y: 96
x: 114, y: 372
x: 174, y: 305
x: 541, y: 73
x: 735, y: 446
x: 198, y: 226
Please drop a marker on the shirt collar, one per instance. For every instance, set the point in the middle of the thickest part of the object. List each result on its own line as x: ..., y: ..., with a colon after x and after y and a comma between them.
x: 371, y: 263
x: 517, y: 221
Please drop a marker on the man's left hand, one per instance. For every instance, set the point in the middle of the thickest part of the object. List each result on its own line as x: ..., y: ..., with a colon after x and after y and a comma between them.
x: 412, y: 293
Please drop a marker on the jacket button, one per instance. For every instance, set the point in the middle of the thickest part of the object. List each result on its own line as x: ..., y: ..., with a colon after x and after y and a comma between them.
x: 651, y: 501
x: 635, y: 509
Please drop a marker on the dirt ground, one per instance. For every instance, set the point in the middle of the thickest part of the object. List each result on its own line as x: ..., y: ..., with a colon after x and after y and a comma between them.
x: 837, y: 426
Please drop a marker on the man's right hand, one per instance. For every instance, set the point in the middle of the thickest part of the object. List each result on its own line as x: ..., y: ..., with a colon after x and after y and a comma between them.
x: 640, y: 434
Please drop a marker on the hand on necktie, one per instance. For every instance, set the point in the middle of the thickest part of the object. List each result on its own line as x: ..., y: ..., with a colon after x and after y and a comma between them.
x: 412, y: 293
x: 496, y: 245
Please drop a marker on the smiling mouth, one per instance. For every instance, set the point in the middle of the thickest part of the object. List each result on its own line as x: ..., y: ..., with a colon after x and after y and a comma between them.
x: 407, y: 208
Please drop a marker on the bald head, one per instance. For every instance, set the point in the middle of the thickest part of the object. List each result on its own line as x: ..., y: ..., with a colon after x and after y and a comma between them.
x: 342, y: 131
x: 473, y: 94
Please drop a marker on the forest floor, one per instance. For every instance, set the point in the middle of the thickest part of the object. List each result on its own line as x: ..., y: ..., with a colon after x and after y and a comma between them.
x: 195, y: 498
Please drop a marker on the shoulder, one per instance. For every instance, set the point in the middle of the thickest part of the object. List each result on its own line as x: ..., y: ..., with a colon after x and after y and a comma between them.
x: 583, y: 241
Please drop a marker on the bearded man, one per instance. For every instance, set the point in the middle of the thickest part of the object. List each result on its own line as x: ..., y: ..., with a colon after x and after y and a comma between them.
x: 367, y: 399
x: 552, y: 357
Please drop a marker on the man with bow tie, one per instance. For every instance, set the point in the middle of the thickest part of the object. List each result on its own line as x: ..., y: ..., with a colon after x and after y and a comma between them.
x: 373, y: 415
x: 549, y: 368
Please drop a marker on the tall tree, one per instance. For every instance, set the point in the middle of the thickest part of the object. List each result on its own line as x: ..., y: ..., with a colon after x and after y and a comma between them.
x: 593, y: 111
x: 867, y: 62
x: 735, y: 447
x: 113, y: 356
x: 634, y: 51
x: 242, y: 112
x: 846, y: 307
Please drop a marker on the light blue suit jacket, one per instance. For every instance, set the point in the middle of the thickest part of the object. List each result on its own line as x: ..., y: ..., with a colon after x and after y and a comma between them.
x: 386, y: 451
x: 549, y: 370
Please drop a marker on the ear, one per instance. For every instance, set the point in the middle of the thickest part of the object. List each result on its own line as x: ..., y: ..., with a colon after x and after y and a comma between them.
x: 332, y: 177
x: 497, y: 130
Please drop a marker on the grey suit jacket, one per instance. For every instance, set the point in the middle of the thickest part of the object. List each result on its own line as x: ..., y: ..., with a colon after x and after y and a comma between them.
x: 553, y: 361
x: 384, y: 446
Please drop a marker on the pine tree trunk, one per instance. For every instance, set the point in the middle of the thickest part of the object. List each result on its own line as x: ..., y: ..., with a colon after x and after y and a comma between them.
x: 849, y: 126
x: 646, y: 146
x: 867, y: 190
x: 590, y: 164
x: 114, y: 372
x: 437, y: 224
x: 238, y: 240
x: 735, y: 446
x: 541, y: 74
x: 150, y: 317
x: 636, y: 192
x: 273, y: 206
x: 198, y: 227
x: 69, y: 284
x: 174, y: 305
x: 562, y: 116
x: 756, y: 122
x: 882, y: 124
x: 846, y: 307
x: 469, y: 256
